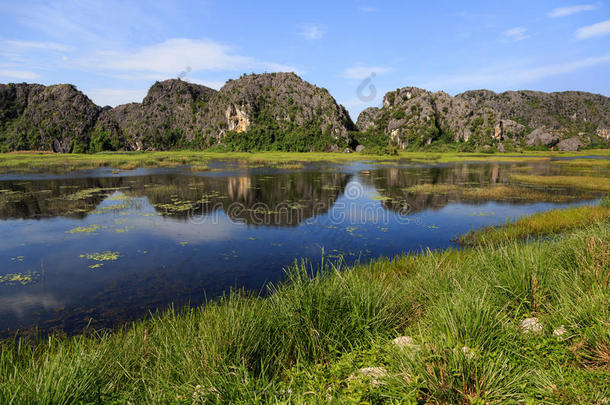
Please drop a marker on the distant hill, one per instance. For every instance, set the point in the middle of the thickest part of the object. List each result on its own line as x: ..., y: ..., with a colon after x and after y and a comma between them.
x: 481, y: 119
x: 280, y: 111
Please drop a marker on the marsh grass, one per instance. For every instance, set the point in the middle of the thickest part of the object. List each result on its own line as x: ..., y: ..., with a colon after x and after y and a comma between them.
x: 305, y: 341
x: 591, y: 183
x: 494, y: 192
x: 44, y: 161
x: 540, y: 224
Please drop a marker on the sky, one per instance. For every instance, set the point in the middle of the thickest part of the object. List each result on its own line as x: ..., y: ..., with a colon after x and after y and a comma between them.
x: 114, y: 51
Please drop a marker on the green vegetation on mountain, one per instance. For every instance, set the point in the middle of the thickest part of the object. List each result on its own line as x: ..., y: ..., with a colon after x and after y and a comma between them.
x: 482, y: 120
x: 282, y: 112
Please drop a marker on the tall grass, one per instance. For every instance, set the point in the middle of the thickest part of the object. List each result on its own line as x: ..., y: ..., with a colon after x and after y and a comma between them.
x: 306, y: 340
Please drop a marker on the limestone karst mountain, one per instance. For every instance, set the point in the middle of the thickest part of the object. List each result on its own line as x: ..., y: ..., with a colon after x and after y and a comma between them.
x: 280, y: 111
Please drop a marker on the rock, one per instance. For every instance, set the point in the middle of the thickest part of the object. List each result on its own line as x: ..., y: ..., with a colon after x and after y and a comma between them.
x: 559, y: 332
x: 541, y: 137
x: 412, y: 116
x: 56, y: 118
x: 367, y: 118
x: 531, y: 325
x: 570, y: 144
x: 171, y: 113
x: 347, y: 150
x: 260, y: 102
x: 179, y: 114
x: 405, y: 343
x: 468, y: 352
x: 603, y: 133
x: 174, y: 113
x: 375, y: 374
x: 501, y: 147
x: 360, y: 148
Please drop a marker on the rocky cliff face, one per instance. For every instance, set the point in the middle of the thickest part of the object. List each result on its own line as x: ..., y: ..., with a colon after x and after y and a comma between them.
x: 266, y: 111
x: 58, y: 118
x: 280, y: 111
x: 171, y: 115
x: 413, y: 117
x: 281, y: 105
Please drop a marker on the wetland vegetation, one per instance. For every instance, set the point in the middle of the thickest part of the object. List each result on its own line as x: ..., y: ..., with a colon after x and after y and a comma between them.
x: 45, y: 161
x: 307, y: 341
x: 418, y: 272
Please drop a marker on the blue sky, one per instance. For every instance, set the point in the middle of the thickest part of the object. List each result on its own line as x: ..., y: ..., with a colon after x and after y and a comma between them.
x: 114, y: 50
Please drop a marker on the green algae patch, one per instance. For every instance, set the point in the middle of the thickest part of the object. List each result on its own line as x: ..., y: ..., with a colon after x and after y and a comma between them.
x: 91, y: 229
x: 28, y: 277
x: 101, y: 256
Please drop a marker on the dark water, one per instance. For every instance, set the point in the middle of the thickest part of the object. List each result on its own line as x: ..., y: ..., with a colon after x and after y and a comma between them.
x: 98, y: 248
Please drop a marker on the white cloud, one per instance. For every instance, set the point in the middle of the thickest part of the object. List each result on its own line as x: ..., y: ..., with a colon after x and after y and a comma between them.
x: 362, y: 72
x: 515, y: 34
x: 169, y: 58
x: 595, y: 30
x: 313, y: 31
x: 114, y: 97
x: 565, y: 11
x: 23, y: 45
x: 19, y: 74
x: 508, y: 77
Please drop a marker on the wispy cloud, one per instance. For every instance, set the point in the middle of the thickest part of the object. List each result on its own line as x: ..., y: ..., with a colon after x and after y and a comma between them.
x: 515, y: 34
x: 312, y: 31
x: 566, y: 11
x: 595, y: 30
x: 506, y: 78
x: 362, y: 72
x: 24, y: 45
x: 173, y: 56
x: 19, y: 74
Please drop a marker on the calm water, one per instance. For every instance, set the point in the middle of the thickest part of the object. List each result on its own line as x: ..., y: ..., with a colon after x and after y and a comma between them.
x: 102, y: 247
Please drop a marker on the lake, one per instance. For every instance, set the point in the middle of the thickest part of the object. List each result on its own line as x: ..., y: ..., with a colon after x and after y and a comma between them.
x: 98, y: 248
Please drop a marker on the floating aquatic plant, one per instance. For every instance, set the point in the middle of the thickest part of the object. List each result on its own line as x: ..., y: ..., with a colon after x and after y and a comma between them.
x: 102, y: 256
x: 86, y: 229
x: 26, y: 278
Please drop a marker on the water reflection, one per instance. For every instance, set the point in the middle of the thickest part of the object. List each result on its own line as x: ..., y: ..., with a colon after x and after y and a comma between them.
x: 97, y: 251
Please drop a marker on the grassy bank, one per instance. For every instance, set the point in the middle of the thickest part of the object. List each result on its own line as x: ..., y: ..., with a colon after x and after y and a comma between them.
x: 308, y: 339
x: 540, y: 225
x: 32, y: 161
